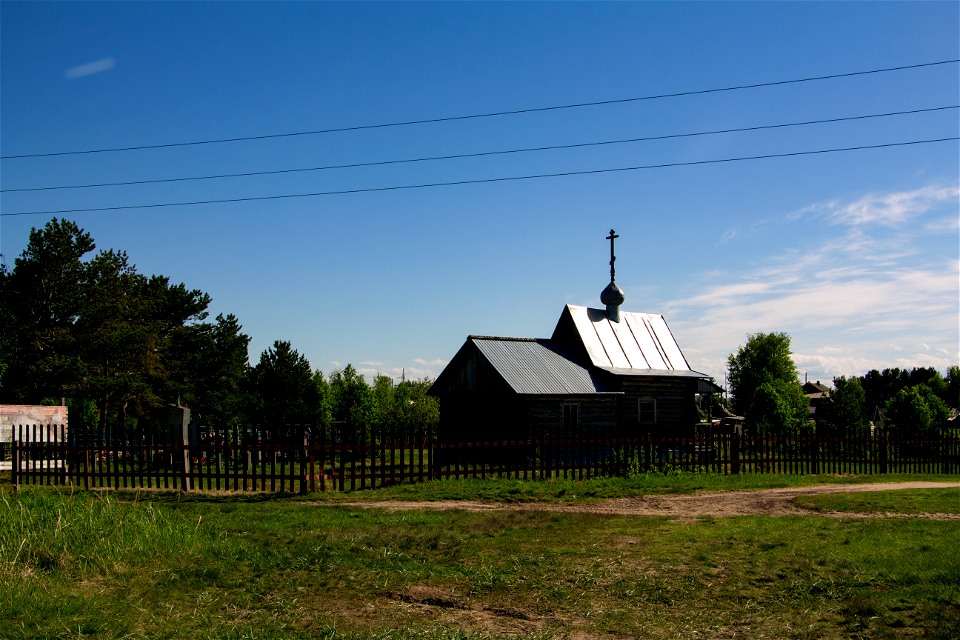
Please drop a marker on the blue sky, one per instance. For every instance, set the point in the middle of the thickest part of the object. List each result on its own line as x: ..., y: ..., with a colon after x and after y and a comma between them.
x: 854, y: 254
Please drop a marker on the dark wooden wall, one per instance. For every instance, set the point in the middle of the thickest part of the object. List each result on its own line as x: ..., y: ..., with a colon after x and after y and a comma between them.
x: 598, y: 416
x: 675, y: 406
x: 481, y: 416
x: 476, y: 374
x: 477, y: 405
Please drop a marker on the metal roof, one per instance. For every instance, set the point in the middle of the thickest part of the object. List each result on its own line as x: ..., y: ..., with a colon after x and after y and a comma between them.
x: 706, y: 386
x: 653, y: 373
x: 539, y: 367
x: 640, y: 344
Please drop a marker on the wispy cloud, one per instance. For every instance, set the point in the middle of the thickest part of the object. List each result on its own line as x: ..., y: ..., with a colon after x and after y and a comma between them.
x: 888, y: 209
x: 844, y: 299
x: 728, y: 235
x: 90, y: 68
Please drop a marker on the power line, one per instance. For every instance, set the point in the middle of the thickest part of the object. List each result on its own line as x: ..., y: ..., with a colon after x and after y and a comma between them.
x: 493, y: 114
x: 479, y: 181
x: 476, y: 155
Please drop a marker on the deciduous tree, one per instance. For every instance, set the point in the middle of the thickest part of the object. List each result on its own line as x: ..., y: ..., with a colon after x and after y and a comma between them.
x: 916, y: 412
x: 845, y: 411
x: 765, y: 385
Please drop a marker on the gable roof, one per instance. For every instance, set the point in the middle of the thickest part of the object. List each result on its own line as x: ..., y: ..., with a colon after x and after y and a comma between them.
x: 815, y: 389
x: 640, y: 344
x: 585, y: 350
x: 527, y: 366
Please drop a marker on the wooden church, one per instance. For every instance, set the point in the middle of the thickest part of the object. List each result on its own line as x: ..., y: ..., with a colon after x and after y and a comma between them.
x: 603, y: 373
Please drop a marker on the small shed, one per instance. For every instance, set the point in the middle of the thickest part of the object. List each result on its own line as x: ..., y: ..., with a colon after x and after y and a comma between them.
x: 603, y: 373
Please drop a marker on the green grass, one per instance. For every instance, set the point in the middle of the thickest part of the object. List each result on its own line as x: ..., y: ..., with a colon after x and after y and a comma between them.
x: 262, y: 567
x: 560, y: 490
x: 907, y: 501
x: 552, y: 491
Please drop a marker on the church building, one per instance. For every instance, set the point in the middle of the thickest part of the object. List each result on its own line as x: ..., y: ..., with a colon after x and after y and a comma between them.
x: 603, y: 373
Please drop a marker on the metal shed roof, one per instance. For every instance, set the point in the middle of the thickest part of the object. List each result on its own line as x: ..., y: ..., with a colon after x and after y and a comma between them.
x: 539, y: 367
x: 640, y: 344
x: 653, y: 373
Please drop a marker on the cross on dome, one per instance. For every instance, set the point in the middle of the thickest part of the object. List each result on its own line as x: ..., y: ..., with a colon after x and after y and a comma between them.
x: 612, y: 296
x: 613, y: 258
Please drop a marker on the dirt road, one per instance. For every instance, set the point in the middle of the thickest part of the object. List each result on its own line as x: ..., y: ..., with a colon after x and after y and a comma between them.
x: 769, y: 502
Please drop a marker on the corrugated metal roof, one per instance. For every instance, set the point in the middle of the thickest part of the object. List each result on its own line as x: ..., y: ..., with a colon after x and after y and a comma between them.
x: 539, y: 367
x: 640, y: 342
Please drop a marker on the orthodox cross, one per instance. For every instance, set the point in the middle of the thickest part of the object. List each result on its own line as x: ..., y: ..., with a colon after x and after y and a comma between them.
x: 613, y: 258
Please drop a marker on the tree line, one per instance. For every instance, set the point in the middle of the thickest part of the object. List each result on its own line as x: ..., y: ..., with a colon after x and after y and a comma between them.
x: 114, y: 345
x: 765, y: 389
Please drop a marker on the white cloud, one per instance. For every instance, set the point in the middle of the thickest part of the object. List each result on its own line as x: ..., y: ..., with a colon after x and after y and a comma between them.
x: 926, y: 360
x: 889, y: 209
x: 846, y: 301
x: 728, y: 235
x: 335, y: 363
x: 90, y: 68
x: 433, y: 363
x: 396, y: 373
x: 371, y: 363
x: 421, y: 373
x: 949, y: 223
x: 826, y: 368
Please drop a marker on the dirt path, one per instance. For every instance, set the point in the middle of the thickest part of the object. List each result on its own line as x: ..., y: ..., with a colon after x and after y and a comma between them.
x: 768, y: 502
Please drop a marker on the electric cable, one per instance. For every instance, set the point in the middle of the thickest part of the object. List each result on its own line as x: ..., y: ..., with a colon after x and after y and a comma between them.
x: 484, y: 115
x: 479, y: 180
x: 478, y: 154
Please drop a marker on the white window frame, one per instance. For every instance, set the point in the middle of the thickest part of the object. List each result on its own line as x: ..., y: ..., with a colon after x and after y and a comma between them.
x: 640, y: 411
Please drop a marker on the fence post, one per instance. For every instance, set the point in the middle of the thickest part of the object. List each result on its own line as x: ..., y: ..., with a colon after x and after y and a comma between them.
x: 15, y: 462
x: 303, y: 462
x: 735, y: 454
x: 183, y: 442
x: 882, y: 443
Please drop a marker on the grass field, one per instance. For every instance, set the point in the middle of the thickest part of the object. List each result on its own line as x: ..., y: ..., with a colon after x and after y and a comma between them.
x: 560, y: 490
x: 908, y: 501
x: 234, y: 566
x: 555, y: 490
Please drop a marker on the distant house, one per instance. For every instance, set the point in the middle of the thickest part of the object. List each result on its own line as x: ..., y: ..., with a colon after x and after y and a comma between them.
x: 818, y: 394
x: 604, y: 373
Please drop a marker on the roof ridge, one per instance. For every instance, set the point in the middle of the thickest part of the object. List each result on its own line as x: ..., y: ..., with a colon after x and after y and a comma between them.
x: 508, y: 339
x: 636, y: 313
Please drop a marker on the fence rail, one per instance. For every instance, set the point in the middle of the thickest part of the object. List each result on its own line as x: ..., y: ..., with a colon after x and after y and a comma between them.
x: 302, y: 458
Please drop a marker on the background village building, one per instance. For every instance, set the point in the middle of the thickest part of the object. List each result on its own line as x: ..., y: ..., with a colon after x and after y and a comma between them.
x: 817, y: 394
x: 29, y: 423
x: 39, y: 423
x: 603, y: 373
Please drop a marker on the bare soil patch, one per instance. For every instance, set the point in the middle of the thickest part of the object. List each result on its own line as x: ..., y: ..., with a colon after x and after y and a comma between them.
x: 448, y: 607
x: 765, y: 502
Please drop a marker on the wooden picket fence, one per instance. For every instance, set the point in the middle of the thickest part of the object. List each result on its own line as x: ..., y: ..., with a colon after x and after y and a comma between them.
x: 303, y: 458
